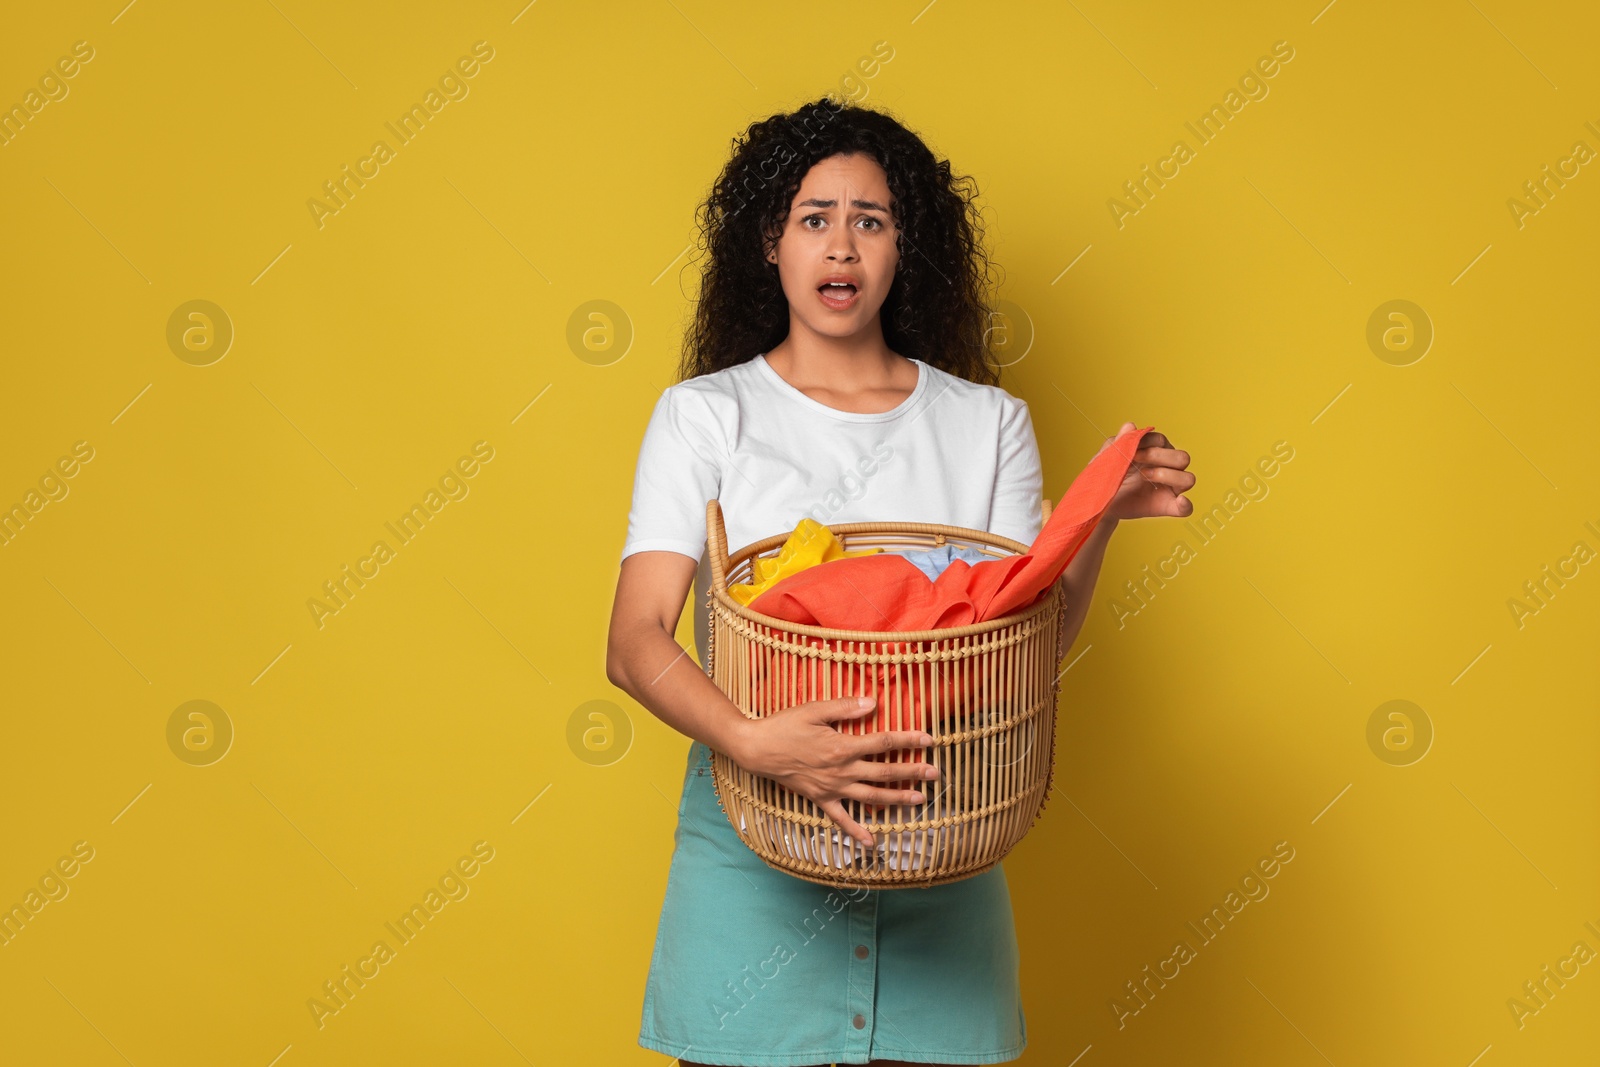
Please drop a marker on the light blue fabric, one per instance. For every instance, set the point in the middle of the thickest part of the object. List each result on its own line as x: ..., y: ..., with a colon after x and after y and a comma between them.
x: 933, y: 561
x: 754, y: 966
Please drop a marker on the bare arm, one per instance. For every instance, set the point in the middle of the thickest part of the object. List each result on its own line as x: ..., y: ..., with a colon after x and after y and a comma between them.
x: 644, y: 659
x: 1081, y: 575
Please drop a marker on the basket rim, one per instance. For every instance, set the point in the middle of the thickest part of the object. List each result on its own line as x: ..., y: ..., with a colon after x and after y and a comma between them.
x: 1045, y: 602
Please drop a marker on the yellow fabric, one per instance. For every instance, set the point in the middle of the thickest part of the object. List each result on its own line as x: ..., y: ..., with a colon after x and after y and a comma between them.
x: 811, y: 543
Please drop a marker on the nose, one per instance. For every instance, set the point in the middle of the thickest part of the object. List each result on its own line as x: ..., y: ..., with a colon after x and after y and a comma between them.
x: 842, y: 245
x: 841, y: 235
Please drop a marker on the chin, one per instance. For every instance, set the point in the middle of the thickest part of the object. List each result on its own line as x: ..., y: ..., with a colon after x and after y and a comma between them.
x: 841, y: 326
x: 840, y: 330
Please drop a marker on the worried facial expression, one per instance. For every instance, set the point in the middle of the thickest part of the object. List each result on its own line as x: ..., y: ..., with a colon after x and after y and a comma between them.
x: 837, y: 253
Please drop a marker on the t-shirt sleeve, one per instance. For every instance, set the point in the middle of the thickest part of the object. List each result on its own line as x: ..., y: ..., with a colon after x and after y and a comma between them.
x: 1016, y: 511
x: 679, y: 469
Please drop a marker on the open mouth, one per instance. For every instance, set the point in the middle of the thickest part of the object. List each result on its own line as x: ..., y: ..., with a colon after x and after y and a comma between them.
x: 836, y: 295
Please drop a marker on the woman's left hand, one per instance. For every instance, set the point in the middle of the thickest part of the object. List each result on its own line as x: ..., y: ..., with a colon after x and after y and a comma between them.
x: 1155, y: 481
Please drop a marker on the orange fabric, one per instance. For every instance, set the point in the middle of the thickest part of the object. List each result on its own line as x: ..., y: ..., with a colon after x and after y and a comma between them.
x: 888, y: 593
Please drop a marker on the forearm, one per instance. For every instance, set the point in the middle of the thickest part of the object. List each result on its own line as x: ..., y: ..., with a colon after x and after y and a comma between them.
x: 649, y: 665
x: 1081, y: 575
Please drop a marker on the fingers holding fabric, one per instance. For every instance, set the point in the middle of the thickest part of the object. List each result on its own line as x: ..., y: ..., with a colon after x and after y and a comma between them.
x: 1166, y: 475
x: 1163, y: 455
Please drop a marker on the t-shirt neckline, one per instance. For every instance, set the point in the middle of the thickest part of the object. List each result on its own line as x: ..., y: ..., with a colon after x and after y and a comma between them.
x: 850, y: 416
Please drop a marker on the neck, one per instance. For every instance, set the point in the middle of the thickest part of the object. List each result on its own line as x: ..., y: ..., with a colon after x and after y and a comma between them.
x: 807, y: 357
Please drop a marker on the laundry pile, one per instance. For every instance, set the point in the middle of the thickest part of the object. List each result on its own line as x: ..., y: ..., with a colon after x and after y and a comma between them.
x: 812, y: 543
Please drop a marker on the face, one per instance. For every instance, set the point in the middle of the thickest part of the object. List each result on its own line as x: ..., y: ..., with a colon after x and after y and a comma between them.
x: 839, y: 228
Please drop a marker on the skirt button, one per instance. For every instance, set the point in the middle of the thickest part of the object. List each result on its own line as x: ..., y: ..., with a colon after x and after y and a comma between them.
x: 858, y: 1022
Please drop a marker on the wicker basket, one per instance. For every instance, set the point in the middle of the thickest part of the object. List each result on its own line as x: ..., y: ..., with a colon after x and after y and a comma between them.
x: 986, y: 692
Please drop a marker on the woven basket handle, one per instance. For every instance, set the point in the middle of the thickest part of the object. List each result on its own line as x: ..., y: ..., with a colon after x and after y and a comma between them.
x: 717, y: 545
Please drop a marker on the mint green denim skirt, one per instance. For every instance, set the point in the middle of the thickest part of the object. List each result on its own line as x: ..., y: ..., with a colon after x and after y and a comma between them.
x: 754, y: 966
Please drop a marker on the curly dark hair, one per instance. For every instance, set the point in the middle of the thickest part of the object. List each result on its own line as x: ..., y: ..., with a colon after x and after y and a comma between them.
x: 937, y: 309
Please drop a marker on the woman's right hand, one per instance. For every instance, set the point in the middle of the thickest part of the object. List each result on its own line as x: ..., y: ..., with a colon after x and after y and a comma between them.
x: 797, y: 748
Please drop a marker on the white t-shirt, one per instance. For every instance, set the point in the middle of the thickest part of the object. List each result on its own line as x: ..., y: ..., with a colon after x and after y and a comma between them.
x: 953, y: 452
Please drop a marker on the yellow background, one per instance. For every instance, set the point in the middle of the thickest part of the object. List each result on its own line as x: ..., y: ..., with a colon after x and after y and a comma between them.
x: 432, y: 711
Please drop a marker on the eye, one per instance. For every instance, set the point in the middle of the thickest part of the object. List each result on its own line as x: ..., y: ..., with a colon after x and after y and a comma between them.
x: 876, y: 223
x: 809, y: 218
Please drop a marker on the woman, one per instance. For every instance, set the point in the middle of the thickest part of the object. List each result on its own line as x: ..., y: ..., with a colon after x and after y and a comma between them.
x: 837, y: 370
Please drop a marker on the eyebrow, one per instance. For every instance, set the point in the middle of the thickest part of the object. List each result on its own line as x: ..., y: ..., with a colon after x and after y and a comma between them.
x: 868, y: 205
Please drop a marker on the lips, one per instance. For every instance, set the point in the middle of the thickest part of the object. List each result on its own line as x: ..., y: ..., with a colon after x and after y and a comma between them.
x: 838, y: 292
